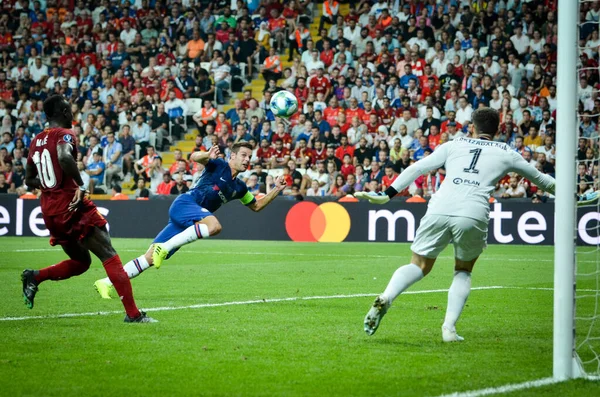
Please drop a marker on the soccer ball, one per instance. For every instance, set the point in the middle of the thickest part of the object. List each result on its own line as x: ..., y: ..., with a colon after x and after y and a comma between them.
x: 284, y: 104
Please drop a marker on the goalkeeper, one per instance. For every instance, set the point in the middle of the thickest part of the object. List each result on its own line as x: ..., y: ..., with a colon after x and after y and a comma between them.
x: 457, y: 213
x: 191, y: 215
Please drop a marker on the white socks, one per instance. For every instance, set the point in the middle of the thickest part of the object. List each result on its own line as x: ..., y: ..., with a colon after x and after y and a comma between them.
x: 192, y: 233
x: 457, y: 297
x: 133, y: 268
x: 403, y: 278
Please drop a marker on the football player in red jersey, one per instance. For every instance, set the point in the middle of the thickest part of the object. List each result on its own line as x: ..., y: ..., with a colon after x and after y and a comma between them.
x: 73, y: 221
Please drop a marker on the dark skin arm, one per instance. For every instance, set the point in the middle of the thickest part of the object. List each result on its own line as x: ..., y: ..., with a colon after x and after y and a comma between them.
x: 31, y: 177
x: 69, y: 166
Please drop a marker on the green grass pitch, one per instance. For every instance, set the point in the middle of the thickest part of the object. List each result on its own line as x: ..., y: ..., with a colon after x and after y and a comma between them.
x: 299, y: 347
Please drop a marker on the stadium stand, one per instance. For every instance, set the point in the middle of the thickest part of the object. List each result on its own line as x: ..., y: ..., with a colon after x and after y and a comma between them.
x: 380, y: 84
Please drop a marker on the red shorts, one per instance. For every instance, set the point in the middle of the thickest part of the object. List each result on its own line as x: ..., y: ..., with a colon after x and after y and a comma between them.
x: 73, y: 226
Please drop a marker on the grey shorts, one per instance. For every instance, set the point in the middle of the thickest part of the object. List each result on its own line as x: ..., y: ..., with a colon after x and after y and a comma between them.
x: 435, y: 232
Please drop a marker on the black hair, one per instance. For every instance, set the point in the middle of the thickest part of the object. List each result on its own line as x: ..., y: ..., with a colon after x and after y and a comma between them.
x: 117, y: 188
x: 486, y: 121
x: 54, y: 106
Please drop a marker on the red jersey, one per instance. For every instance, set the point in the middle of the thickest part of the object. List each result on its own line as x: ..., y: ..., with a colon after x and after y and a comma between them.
x: 330, y: 115
x: 320, y: 155
x: 366, y: 116
x: 387, y: 182
x: 280, y: 154
x: 341, y: 151
x: 327, y: 57
x: 57, y: 188
x: 351, y: 113
x: 276, y: 23
x: 263, y: 154
x: 347, y: 169
x: 444, y: 126
x: 373, y: 128
x: 425, y: 78
x: 165, y: 188
x: 301, y: 94
x: 417, y: 67
x: 286, y: 138
x: 344, y: 128
x: 386, y: 115
x: 434, y: 140
x: 304, y: 153
x: 319, y: 84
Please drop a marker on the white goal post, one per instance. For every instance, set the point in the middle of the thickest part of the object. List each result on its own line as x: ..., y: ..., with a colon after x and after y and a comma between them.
x: 564, y: 357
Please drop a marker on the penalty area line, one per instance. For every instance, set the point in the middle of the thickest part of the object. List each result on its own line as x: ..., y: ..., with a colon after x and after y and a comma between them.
x: 512, y: 387
x: 255, y: 301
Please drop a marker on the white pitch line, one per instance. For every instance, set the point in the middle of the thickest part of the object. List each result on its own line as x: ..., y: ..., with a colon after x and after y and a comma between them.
x: 513, y: 387
x: 483, y: 258
x: 504, y: 389
x: 251, y: 302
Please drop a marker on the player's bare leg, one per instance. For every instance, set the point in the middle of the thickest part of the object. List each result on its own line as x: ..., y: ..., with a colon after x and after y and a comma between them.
x: 205, y: 228
x: 78, y: 263
x: 402, y: 279
x: 98, y: 242
x: 209, y: 226
x: 457, y: 298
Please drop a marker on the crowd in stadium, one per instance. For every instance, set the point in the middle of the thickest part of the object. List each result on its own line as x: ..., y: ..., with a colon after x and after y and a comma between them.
x: 382, y: 86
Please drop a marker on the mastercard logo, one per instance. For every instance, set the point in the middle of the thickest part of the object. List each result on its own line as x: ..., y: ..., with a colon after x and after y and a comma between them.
x: 325, y: 223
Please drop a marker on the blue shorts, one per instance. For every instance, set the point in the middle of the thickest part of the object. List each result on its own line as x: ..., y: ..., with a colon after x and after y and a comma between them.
x: 183, y: 213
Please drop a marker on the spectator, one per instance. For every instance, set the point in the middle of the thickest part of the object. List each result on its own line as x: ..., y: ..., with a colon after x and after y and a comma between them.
x: 95, y: 170
x: 144, y: 165
x: 117, y: 193
x: 113, y: 158
x: 515, y: 190
x: 4, y: 186
x: 180, y: 186
x: 156, y: 173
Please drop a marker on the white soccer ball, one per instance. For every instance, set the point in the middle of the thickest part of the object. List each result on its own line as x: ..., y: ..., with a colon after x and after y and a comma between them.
x: 284, y: 104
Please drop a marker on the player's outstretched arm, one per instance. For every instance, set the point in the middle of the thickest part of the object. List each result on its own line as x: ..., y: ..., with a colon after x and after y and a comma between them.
x: 434, y: 161
x: 258, y: 205
x: 523, y: 168
x: 203, y: 157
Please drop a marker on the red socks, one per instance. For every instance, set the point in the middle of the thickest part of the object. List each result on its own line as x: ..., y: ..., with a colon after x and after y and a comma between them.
x: 120, y: 280
x: 62, y: 271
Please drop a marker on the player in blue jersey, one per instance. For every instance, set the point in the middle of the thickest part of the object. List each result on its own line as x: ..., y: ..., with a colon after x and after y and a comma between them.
x: 191, y: 214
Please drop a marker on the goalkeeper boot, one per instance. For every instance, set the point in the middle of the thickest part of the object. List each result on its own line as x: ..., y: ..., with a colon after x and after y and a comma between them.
x: 375, y: 314
x: 30, y: 287
x: 450, y: 335
x: 142, y: 318
x: 104, y: 288
x: 374, y: 198
x: 159, y: 254
x: 587, y: 198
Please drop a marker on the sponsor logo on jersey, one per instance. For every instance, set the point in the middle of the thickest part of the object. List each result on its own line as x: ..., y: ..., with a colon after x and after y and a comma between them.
x: 68, y: 138
x: 461, y: 181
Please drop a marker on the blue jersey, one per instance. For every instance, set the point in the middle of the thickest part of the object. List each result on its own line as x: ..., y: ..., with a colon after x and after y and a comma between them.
x: 216, y: 186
